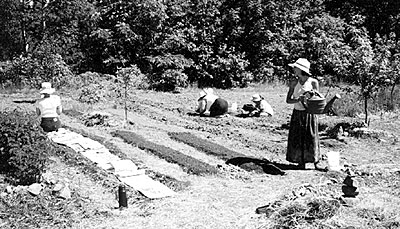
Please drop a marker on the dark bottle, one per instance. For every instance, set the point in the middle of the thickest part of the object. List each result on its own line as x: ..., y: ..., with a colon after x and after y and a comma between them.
x: 122, y: 199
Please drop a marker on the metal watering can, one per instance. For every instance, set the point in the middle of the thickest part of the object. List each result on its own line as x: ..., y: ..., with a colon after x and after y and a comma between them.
x: 316, y: 103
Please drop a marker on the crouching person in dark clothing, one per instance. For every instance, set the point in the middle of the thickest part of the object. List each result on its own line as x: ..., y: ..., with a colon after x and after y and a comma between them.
x: 210, y: 104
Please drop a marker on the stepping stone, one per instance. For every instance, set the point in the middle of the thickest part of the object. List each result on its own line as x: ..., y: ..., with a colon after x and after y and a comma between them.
x: 35, y: 189
x: 147, y: 186
x: 126, y: 168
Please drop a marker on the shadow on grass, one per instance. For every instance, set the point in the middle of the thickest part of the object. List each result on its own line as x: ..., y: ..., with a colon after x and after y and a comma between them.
x: 267, y: 166
x: 230, y: 156
x: 193, y: 114
x: 31, y: 101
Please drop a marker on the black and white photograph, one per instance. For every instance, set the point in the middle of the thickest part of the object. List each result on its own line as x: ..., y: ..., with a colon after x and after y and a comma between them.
x: 199, y: 114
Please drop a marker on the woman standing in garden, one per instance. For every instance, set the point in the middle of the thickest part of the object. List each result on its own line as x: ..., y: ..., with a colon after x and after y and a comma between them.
x: 49, y: 108
x: 303, y: 141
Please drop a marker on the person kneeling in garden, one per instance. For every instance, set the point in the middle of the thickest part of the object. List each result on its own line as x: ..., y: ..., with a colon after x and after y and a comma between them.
x: 49, y: 108
x: 210, y: 104
x: 260, y: 107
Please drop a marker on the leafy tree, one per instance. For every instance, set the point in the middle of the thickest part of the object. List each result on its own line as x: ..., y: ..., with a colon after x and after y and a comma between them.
x: 59, y: 25
x: 67, y: 24
x: 365, y: 67
x: 388, y: 49
x: 326, y: 45
x: 379, y: 17
x: 131, y: 77
x: 10, y: 30
x: 167, y: 72
x: 125, y: 34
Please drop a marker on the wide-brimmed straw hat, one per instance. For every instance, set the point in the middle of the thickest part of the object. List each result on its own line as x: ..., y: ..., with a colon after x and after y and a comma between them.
x: 256, y: 98
x: 206, y: 91
x: 46, y: 88
x: 302, y: 64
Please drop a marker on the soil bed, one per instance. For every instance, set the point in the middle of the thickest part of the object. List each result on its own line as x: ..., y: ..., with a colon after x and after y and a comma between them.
x: 189, y: 164
x: 230, y: 156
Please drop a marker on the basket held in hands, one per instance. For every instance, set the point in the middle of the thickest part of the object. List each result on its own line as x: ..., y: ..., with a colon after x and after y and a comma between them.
x: 315, y: 102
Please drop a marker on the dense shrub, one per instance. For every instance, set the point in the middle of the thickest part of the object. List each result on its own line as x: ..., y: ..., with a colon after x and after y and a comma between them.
x: 23, y: 147
x: 34, y: 69
x: 90, y: 94
x: 131, y: 78
x: 170, y: 80
x: 168, y: 72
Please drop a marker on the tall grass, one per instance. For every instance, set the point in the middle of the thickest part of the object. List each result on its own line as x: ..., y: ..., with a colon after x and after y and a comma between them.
x: 351, y: 103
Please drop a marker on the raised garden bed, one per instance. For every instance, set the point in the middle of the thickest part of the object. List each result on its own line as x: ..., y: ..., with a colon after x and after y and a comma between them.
x: 208, y: 147
x: 231, y: 157
x: 168, y: 181
x: 189, y: 164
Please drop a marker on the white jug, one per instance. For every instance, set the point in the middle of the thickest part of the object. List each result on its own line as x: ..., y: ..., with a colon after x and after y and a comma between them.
x: 333, y: 160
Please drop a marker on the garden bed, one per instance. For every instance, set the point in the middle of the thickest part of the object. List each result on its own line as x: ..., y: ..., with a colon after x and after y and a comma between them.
x: 207, y: 147
x: 231, y: 157
x: 188, y: 164
x: 168, y: 181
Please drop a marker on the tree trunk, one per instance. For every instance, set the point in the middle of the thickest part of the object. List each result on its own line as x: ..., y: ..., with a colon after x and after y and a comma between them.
x: 23, y: 28
x: 126, y: 98
x: 366, y: 109
x: 391, y: 95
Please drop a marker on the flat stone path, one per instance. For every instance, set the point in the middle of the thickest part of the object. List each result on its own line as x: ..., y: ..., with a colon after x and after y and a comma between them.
x: 125, y: 170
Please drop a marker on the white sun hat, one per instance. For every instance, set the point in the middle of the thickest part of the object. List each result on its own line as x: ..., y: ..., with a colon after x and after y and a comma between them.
x: 302, y: 64
x: 202, y: 94
x: 256, y: 98
x: 46, y: 88
x: 206, y: 91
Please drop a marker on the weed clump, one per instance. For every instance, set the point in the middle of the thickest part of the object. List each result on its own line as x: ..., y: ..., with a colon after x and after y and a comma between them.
x: 306, y: 207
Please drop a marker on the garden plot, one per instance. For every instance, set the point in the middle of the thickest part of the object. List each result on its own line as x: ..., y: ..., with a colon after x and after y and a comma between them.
x: 250, y: 132
x: 189, y: 164
x: 231, y: 157
x: 125, y: 170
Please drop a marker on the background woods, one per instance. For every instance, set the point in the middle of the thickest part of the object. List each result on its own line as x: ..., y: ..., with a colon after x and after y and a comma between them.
x: 223, y: 44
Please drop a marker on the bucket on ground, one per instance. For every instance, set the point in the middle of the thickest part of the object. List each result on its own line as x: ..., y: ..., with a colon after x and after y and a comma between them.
x: 333, y: 160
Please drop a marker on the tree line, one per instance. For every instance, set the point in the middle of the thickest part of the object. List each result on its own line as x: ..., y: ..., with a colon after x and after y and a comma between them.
x: 219, y: 43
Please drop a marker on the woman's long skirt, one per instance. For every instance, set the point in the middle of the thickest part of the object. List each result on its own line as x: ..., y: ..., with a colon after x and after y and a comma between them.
x: 303, y: 140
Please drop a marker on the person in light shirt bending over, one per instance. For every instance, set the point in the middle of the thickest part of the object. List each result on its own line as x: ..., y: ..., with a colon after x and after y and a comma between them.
x: 49, y: 108
x: 210, y: 104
